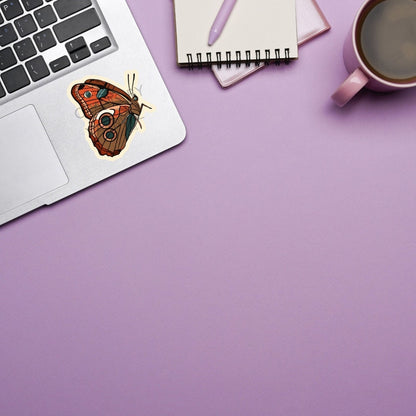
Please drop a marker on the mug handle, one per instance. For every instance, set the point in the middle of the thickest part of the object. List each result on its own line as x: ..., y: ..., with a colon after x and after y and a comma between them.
x: 354, y: 83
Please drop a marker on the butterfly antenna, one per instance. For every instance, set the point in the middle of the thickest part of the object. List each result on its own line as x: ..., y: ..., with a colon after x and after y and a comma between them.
x: 128, y: 83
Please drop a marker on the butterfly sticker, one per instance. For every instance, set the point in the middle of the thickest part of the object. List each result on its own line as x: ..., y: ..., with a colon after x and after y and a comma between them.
x: 112, y: 113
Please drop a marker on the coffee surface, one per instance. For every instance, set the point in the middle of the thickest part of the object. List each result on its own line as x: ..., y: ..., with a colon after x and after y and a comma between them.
x: 386, y: 39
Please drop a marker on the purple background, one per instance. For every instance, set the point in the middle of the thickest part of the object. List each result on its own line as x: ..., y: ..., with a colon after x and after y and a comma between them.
x: 264, y: 267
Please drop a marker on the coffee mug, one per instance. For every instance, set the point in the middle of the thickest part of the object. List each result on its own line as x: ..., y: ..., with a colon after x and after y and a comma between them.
x: 380, y: 49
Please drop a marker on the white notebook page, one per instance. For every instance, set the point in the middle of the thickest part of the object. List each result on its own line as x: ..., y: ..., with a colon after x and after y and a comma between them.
x: 254, y: 25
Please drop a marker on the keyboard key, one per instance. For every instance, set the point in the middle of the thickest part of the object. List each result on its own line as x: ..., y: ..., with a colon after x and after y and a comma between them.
x: 31, y: 4
x: 75, y: 44
x: 25, y: 25
x: 45, y: 16
x: 15, y: 79
x: 7, y: 34
x: 1, y: 19
x: 100, y: 44
x: 11, y: 9
x: 65, y: 8
x: 80, y: 54
x: 59, y: 64
x: 7, y: 58
x: 37, y: 68
x: 76, y: 25
x: 44, y: 40
x: 2, y: 92
x: 24, y: 49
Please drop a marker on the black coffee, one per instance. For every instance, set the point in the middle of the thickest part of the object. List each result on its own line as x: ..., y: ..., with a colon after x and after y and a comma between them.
x: 386, y: 39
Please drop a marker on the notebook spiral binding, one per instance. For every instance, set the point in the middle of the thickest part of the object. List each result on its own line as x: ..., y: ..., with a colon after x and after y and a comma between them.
x: 240, y: 58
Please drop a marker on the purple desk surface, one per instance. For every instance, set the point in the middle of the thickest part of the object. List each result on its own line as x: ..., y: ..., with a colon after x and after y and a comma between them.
x: 264, y: 267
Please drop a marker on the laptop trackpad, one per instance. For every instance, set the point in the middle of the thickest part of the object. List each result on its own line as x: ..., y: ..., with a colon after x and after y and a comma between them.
x: 29, y: 166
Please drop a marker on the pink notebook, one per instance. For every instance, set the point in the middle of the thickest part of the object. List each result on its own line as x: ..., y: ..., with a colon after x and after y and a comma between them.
x: 311, y: 22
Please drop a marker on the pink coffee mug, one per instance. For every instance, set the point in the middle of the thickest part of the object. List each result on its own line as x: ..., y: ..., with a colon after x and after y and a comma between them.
x: 360, y: 74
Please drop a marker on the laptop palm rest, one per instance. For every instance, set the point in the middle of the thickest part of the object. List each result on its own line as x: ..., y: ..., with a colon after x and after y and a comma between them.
x: 29, y: 166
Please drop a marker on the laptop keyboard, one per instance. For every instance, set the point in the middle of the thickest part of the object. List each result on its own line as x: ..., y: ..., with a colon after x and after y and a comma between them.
x: 40, y: 38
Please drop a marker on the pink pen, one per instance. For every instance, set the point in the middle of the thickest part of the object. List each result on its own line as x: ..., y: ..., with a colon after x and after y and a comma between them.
x: 220, y: 20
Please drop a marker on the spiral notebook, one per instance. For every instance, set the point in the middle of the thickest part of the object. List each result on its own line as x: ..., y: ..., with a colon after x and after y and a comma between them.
x: 311, y: 22
x: 256, y: 31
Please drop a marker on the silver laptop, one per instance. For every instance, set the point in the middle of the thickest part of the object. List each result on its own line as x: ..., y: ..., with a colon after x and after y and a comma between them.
x: 80, y: 99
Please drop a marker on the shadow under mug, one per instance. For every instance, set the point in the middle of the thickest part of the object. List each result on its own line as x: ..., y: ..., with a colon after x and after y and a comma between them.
x: 360, y: 74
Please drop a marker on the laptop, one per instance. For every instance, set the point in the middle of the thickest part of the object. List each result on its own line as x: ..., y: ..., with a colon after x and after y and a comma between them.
x: 81, y: 99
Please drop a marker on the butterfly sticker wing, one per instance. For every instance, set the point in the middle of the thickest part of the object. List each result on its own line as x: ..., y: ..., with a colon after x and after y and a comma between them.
x: 95, y: 95
x: 111, y: 128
